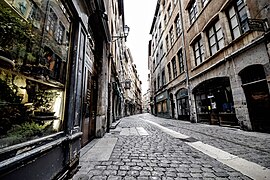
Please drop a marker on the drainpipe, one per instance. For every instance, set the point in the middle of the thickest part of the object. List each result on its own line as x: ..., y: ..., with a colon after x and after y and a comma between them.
x: 192, y: 118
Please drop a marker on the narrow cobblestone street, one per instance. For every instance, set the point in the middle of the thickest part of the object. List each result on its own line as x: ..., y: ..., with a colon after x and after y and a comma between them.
x: 144, y: 151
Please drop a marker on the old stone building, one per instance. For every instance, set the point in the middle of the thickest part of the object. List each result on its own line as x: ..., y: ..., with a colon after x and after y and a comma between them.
x: 61, y: 82
x: 167, y: 62
x: 122, y: 73
x: 226, y: 63
x: 51, y: 58
x: 132, y: 86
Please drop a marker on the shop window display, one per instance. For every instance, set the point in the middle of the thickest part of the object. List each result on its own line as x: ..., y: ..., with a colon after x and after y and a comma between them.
x: 33, y: 65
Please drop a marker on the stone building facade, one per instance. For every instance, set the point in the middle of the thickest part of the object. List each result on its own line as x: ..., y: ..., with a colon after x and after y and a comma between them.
x: 227, y: 62
x: 61, y: 82
x: 52, y: 55
x: 132, y: 86
x: 122, y: 73
x: 167, y: 62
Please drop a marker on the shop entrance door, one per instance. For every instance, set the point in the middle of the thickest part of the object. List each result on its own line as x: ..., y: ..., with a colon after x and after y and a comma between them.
x: 89, y: 107
x: 258, y: 102
x: 183, y: 104
x: 257, y: 96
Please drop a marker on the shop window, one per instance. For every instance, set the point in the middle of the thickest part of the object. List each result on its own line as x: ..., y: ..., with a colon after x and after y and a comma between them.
x: 182, y: 101
x: 35, y: 16
x: 159, y: 107
x: 32, y: 71
x: 202, y: 103
x: 164, y: 106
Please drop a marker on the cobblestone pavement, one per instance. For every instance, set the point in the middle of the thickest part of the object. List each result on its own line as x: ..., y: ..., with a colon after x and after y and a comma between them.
x: 161, y: 156
x: 252, y: 146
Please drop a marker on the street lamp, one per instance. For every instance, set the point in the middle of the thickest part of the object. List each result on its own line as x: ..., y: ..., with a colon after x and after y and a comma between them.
x: 121, y: 36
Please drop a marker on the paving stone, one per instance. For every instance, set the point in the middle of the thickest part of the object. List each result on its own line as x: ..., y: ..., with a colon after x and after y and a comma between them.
x: 145, y: 173
x: 133, y: 173
x: 121, y: 173
x: 113, y: 167
x: 124, y: 167
x: 99, y: 178
x: 161, y: 156
x: 114, y: 178
x: 109, y: 172
x: 221, y: 174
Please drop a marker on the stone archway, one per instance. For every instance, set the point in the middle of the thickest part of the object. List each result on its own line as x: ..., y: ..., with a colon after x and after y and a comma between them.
x: 256, y: 90
x: 183, y: 109
x: 214, y: 102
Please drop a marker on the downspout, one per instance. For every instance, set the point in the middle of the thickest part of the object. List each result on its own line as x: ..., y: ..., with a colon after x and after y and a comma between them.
x: 192, y: 118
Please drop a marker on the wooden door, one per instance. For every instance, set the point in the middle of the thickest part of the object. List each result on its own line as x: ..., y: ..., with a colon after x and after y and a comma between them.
x: 258, y: 102
x: 89, y: 107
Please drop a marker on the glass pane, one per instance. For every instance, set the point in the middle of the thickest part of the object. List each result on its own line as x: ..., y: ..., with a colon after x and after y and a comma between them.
x: 197, y: 54
x: 211, y: 31
x: 221, y: 43
x: 213, y: 49
x: 33, y: 64
x: 212, y: 41
x: 231, y: 12
x: 234, y: 22
x: 219, y: 35
x: 236, y: 32
x: 217, y: 26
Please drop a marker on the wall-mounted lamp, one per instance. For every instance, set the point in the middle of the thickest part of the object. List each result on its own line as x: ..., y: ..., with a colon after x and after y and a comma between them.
x: 126, y: 31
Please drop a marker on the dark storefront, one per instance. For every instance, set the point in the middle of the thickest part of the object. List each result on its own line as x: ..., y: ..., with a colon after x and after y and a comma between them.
x: 256, y: 90
x: 214, y: 102
x: 162, y: 107
x: 42, y: 97
x: 182, y: 104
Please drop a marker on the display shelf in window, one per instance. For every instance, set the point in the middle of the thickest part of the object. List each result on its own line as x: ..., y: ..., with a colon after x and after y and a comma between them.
x: 20, y: 100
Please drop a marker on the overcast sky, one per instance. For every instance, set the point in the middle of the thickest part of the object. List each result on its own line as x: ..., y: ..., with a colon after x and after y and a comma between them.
x: 139, y: 16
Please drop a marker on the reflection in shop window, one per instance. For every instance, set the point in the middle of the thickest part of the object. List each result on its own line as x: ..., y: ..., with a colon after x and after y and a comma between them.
x: 51, y: 23
x: 60, y: 33
x: 159, y: 106
x: 164, y: 106
x: 32, y: 70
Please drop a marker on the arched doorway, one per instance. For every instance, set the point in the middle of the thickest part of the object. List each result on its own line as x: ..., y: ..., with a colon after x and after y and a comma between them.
x: 214, y: 102
x: 256, y: 90
x: 182, y: 104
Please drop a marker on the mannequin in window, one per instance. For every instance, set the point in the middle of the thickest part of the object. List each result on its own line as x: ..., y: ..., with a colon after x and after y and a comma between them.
x: 50, y: 61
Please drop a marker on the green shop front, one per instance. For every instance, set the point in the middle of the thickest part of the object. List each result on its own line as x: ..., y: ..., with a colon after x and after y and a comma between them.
x: 162, y: 104
x: 38, y: 139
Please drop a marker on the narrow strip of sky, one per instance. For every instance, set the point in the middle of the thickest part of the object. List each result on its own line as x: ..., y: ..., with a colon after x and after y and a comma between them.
x: 139, y: 16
